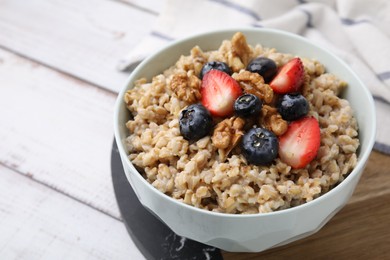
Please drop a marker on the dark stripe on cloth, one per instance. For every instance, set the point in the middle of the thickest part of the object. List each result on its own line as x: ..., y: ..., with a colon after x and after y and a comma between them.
x: 381, y: 147
x: 384, y: 75
x: 348, y: 21
x: 309, y: 22
x: 161, y: 36
x: 238, y: 8
x: 257, y: 25
x: 381, y: 99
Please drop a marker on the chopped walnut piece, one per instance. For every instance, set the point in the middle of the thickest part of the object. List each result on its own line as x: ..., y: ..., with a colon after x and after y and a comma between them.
x: 236, y: 52
x: 254, y: 84
x: 273, y: 121
x: 227, y: 134
x: 240, y: 48
x: 186, y: 86
x: 194, y: 62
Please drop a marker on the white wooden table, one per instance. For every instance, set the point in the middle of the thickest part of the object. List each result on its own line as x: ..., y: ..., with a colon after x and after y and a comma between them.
x: 58, y: 84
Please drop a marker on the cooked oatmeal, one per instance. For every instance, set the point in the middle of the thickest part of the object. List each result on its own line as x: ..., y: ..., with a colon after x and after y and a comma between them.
x: 211, y: 173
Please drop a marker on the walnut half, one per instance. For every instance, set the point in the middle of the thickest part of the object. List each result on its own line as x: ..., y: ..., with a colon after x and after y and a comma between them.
x: 186, y: 86
x: 254, y: 84
x: 227, y: 134
x: 272, y: 120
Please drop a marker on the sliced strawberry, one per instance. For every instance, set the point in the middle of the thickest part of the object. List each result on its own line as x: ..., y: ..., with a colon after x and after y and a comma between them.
x: 289, y: 78
x: 219, y: 91
x: 300, y: 144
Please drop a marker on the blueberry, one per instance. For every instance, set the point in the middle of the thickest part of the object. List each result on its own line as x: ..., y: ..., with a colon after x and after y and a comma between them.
x: 195, y: 122
x: 216, y: 65
x: 247, y: 105
x: 267, y: 68
x: 260, y: 146
x: 292, y: 106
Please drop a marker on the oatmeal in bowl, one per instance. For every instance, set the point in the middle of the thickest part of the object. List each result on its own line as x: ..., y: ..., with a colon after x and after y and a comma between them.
x: 241, y: 128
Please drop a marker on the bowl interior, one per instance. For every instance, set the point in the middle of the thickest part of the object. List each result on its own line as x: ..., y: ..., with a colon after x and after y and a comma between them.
x: 357, y: 94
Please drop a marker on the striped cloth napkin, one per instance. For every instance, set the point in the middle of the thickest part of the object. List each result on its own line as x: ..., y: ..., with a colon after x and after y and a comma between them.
x: 358, y: 31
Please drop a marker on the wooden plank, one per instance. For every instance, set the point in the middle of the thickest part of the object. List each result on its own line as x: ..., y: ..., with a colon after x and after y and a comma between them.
x: 40, y: 223
x: 375, y: 181
x: 77, y: 37
x: 57, y: 130
x: 361, y: 230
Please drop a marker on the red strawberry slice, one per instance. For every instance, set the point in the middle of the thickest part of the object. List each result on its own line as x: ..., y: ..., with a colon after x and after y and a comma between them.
x: 219, y: 91
x: 300, y: 144
x: 289, y: 78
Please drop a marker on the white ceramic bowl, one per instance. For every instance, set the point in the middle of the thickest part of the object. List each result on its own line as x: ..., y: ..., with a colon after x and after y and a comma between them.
x: 249, y: 233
